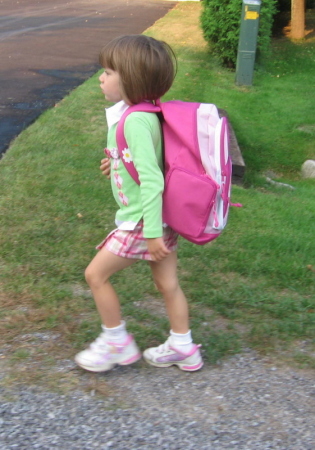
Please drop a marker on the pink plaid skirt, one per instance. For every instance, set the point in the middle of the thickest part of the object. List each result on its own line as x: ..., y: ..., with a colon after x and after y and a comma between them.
x: 132, y: 244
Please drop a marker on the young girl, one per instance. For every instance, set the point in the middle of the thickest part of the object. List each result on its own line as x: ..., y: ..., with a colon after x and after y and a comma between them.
x: 137, y: 68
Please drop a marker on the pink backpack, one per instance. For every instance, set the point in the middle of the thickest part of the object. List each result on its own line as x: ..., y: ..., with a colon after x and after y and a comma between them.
x: 198, y: 167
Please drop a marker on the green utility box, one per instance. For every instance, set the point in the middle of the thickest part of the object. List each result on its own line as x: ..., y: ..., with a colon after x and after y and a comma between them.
x: 247, y: 43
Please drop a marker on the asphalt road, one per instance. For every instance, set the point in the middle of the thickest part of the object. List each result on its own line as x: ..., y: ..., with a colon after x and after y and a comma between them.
x: 48, y: 47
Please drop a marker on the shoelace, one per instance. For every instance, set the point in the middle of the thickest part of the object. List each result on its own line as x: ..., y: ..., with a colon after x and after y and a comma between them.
x: 163, y: 347
x: 99, y: 343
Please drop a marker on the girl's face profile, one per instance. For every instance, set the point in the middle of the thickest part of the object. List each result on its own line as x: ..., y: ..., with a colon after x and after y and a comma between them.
x: 110, y: 85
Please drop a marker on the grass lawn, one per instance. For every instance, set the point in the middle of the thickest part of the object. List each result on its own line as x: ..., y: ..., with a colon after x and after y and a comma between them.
x: 252, y: 287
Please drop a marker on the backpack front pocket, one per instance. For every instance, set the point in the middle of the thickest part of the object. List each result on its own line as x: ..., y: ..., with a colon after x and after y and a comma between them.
x: 187, y: 202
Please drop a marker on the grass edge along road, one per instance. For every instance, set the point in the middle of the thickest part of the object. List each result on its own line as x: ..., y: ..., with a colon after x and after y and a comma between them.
x: 252, y: 287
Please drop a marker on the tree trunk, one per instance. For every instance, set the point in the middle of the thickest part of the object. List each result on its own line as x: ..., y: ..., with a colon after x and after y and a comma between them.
x: 297, y: 19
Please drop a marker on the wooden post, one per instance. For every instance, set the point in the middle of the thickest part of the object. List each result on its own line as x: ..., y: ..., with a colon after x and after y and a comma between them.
x: 297, y: 19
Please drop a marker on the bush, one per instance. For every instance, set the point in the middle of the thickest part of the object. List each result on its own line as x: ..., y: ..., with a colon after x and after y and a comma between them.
x: 221, y: 20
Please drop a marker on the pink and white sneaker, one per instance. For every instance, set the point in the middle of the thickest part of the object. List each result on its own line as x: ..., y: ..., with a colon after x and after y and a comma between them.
x: 102, y: 355
x: 165, y: 356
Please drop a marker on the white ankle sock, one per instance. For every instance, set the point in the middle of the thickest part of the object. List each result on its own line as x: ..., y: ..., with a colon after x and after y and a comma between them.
x: 181, y: 341
x: 117, y: 334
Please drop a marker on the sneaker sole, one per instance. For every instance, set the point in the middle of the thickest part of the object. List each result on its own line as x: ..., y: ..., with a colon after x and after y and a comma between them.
x: 183, y: 367
x: 107, y: 367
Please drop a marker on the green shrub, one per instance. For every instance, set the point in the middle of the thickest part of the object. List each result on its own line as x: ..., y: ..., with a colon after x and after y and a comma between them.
x: 220, y: 21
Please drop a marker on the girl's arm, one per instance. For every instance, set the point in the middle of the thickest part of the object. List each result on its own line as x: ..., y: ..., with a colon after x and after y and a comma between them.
x: 143, y: 135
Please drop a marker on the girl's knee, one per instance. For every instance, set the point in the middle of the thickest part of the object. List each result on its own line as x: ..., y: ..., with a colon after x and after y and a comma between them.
x: 166, y: 286
x: 88, y: 275
x: 93, y: 277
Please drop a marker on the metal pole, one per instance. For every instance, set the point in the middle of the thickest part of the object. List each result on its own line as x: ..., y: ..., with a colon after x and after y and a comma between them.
x: 247, y: 42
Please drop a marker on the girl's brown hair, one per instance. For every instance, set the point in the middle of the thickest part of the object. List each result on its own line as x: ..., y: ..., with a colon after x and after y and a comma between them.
x: 146, y: 66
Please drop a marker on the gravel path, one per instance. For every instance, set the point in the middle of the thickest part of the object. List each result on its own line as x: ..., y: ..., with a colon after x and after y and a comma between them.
x: 244, y: 403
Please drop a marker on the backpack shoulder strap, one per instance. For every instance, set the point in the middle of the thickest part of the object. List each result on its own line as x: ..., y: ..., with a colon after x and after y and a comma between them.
x: 120, y: 135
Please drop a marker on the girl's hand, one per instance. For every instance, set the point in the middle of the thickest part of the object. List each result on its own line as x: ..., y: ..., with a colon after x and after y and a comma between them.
x: 157, y: 249
x: 105, y: 167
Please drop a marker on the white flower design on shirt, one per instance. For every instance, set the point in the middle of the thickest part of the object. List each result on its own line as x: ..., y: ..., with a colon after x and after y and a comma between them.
x: 127, y: 155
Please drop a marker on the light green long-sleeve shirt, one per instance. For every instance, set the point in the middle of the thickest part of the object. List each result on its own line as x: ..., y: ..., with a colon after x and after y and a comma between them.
x: 144, y: 201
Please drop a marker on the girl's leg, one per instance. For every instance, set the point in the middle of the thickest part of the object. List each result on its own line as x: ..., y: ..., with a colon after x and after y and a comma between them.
x: 97, y: 275
x: 179, y: 349
x: 114, y: 345
x: 165, y: 277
